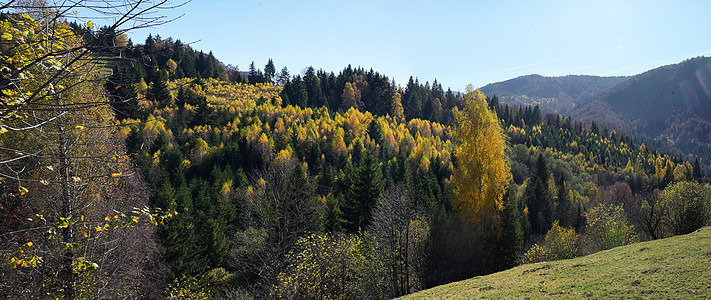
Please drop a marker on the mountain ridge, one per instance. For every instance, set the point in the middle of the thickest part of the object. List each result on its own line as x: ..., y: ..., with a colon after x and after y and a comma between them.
x: 556, y: 94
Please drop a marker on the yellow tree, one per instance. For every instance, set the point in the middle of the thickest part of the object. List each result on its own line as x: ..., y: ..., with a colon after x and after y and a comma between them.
x: 348, y: 96
x: 482, y: 173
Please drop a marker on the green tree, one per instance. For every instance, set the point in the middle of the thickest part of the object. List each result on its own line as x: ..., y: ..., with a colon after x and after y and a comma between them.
x: 122, y: 95
x: 510, y: 242
x: 269, y: 71
x: 538, y: 199
x: 365, y: 187
x: 697, y: 171
x: 159, y: 92
x: 687, y: 206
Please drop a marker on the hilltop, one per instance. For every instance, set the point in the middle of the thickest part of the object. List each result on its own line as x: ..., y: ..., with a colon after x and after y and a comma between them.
x: 675, y: 267
x: 553, y: 94
x: 670, y: 103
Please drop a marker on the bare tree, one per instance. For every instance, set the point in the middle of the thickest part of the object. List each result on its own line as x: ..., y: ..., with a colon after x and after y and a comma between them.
x: 281, y: 206
x: 400, y: 232
x: 59, y: 155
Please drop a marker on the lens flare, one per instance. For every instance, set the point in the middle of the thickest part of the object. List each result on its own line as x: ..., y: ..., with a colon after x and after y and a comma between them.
x: 703, y: 75
x: 690, y: 97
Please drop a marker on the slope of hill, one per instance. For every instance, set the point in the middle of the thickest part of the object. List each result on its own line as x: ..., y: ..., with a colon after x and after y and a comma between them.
x: 671, y: 103
x: 552, y: 94
x: 676, y: 267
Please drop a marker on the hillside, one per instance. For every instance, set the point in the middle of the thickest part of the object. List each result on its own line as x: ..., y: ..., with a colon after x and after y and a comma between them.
x: 676, y: 267
x: 670, y: 103
x: 552, y: 94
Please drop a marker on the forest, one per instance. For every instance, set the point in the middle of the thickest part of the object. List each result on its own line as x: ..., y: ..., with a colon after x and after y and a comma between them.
x: 155, y: 171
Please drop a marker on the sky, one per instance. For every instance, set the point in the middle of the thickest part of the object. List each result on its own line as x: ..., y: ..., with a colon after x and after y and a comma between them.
x: 455, y: 42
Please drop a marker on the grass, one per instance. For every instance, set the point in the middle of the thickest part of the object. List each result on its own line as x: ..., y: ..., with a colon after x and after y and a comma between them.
x: 674, y: 268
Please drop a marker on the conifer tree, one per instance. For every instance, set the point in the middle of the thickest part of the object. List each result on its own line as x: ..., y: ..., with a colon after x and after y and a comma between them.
x: 697, y: 171
x: 122, y: 95
x: 366, y: 185
x: 537, y: 198
x: 269, y: 71
x: 158, y: 91
x: 511, y: 241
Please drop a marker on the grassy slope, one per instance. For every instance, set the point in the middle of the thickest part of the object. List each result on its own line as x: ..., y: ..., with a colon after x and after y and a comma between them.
x: 676, y: 267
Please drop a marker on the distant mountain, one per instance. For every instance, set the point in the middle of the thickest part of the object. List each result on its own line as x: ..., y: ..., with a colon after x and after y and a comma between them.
x: 671, y: 103
x: 552, y: 94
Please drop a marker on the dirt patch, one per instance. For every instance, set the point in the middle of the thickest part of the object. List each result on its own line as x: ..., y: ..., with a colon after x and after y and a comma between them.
x: 537, y: 269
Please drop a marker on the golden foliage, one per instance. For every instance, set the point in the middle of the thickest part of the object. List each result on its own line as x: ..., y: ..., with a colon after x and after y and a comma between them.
x: 482, y: 174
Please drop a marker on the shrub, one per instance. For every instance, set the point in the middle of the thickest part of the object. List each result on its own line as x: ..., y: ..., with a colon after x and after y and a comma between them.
x: 331, y: 266
x: 559, y: 243
x: 687, y: 206
x: 607, y: 228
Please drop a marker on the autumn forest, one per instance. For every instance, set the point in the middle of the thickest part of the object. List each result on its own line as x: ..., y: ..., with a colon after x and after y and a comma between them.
x: 152, y: 170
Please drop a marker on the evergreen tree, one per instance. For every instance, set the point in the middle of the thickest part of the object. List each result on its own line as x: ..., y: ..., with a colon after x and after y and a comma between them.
x: 313, y: 88
x: 122, y: 95
x: 254, y: 74
x: 539, y: 206
x: 697, y: 171
x: 159, y: 93
x: 283, y: 77
x: 365, y: 187
x: 510, y: 243
x: 269, y: 71
x: 298, y: 95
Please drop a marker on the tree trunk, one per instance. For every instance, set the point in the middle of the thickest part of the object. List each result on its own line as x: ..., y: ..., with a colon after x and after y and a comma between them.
x: 67, y: 212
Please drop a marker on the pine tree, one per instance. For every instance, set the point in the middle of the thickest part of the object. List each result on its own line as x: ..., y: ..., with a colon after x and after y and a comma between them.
x: 697, y: 171
x: 269, y: 71
x: 366, y: 185
x: 511, y: 241
x: 537, y: 198
x: 122, y: 95
x: 298, y: 95
x: 159, y: 93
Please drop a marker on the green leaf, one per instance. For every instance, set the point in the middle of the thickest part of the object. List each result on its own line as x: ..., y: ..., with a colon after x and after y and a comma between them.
x: 7, y: 36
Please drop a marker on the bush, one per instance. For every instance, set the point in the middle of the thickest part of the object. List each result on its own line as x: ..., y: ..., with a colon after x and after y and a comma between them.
x: 559, y: 243
x: 607, y: 228
x: 331, y: 266
x: 687, y: 206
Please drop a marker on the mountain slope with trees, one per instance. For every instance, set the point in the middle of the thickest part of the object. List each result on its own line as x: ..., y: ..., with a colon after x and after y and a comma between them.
x: 552, y: 94
x: 311, y: 185
x: 670, y: 103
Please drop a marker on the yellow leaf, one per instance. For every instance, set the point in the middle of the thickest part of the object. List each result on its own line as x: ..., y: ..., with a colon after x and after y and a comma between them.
x: 115, y: 175
x: 22, y: 190
x: 90, y: 24
x: 29, y: 244
x: 79, y: 127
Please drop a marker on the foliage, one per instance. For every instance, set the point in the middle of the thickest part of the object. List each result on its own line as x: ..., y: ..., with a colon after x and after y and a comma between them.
x: 186, y: 288
x: 687, y: 207
x: 607, y: 227
x: 482, y: 172
x: 559, y: 243
x: 331, y: 266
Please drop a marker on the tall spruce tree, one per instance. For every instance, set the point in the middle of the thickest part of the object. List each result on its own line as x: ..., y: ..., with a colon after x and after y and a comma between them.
x: 158, y: 92
x: 537, y: 198
x: 366, y: 185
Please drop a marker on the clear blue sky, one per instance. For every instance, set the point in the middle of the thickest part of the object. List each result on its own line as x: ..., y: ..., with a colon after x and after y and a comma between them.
x: 457, y: 42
